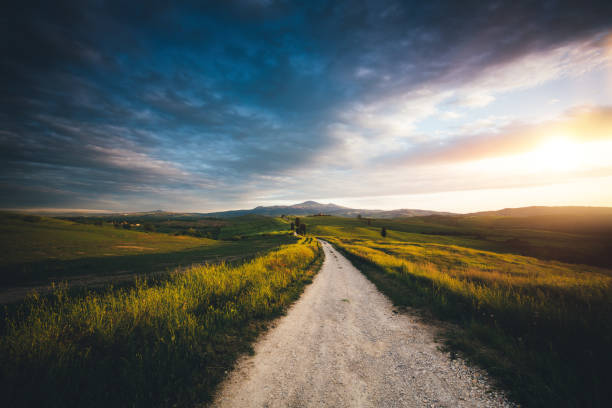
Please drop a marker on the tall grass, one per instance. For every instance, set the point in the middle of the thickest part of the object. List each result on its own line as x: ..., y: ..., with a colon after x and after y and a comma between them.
x: 543, y: 328
x: 151, y: 345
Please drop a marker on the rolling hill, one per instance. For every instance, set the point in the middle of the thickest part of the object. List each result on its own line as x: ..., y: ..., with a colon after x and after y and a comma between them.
x: 546, y: 211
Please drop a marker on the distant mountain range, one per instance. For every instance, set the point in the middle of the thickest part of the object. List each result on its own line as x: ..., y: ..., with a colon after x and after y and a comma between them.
x: 312, y: 207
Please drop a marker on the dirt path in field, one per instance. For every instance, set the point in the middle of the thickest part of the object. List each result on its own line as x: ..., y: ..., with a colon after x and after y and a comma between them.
x: 343, y: 345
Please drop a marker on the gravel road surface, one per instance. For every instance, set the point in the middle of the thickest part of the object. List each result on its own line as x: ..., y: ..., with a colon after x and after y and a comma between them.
x: 343, y: 345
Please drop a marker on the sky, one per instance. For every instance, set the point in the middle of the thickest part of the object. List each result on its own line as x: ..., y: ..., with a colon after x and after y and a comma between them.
x: 206, y: 106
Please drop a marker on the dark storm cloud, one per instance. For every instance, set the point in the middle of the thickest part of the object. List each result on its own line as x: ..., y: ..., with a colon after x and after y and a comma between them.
x: 122, y: 99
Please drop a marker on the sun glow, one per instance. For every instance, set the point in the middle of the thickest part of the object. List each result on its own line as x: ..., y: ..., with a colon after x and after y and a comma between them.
x: 555, y: 154
x: 562, y: 156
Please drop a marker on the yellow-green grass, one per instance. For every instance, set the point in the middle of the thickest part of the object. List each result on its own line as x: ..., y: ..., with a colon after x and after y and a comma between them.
x: 192, y: 224
x: 250, y: 225
x: 568, y: 239
x: 360, y: 229
x: 543, y: 328
x: 166, y: 344
x: 41, y: 249
x: 28, y: 238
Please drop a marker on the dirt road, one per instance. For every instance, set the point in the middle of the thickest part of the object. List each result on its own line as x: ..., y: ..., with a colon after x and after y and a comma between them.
x: 343, y: 345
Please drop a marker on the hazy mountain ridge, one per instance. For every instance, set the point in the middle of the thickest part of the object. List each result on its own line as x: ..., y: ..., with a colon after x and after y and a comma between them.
x: 313, y: 207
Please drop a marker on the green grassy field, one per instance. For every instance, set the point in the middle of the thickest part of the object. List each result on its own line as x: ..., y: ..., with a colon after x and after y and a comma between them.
x: 189, y: 224
x: 543, y: 328
x: 529, y: 299
x: 580, y: 239
x: 165, y: 344
x: 39, y: 249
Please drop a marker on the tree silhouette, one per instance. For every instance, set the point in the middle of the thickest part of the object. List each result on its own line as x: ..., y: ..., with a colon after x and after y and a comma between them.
x: 383, y: 232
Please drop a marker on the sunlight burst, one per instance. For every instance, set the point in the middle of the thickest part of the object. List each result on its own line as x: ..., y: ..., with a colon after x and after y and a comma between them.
x: 559, y: 156
x: 555, y: 154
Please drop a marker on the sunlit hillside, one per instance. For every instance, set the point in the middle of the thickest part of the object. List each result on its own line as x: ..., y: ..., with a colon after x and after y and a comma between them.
x: 40, y: 250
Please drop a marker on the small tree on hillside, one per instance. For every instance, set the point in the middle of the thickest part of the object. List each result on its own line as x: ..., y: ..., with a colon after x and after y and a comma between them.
x: 302, y: 229
x: 292, y: 226
x: 297, y: 222
x: 383, y: 232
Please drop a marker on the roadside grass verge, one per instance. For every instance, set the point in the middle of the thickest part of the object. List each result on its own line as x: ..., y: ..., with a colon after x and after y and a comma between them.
x: 542, y: 329
x: 163, y: 344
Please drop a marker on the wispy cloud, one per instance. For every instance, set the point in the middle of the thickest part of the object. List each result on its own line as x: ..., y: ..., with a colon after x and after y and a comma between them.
x: 580, y: 124
x: 110, y: 105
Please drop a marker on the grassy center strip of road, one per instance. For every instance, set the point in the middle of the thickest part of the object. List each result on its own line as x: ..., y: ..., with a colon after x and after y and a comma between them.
x: 166, y: 344
x: 542, y: 329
